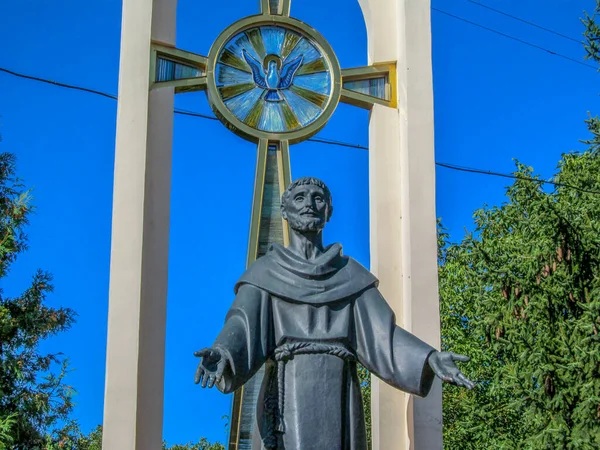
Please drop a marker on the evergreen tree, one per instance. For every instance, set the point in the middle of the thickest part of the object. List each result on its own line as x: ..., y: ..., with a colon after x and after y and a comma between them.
x: 592, y: 34
x: 521, y: 296
x: 34, y: 400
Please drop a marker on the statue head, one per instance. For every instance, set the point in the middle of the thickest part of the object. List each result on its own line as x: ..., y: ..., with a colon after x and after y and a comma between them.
x: 307, y: 205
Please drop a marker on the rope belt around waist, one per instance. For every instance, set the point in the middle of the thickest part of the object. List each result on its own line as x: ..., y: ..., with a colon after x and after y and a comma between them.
x: 274, y: 401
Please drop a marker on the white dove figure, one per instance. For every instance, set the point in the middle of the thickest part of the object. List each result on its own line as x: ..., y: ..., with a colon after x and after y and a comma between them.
x: 273, y: 79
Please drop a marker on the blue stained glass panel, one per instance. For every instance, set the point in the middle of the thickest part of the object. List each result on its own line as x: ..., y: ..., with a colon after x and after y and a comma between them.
x: 241, y: 105
x: 271, y: 105
x: 273, y: 39
x: 227, y: 75
x: 169, y: 70
x: 272, y: 118
x: 374, y: 87
x: 306, y: 49
x: 306, y: 112
x: 318, y: 82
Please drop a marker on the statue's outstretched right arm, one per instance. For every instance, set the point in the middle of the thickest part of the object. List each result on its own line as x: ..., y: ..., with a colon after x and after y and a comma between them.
x: 243, y: 345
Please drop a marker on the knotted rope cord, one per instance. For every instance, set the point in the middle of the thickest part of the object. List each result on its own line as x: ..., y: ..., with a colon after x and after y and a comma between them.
x: 274, y: 402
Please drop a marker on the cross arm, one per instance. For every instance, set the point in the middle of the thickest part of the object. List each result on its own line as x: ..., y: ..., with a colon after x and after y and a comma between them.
x: 183, y: 70
x: 366, y: 86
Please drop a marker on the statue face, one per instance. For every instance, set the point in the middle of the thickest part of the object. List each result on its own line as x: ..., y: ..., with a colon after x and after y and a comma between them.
x: 306, y: 208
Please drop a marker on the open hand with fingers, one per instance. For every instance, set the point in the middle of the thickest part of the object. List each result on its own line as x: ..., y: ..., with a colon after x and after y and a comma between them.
x: 211, y: 368
x: 444, y: 366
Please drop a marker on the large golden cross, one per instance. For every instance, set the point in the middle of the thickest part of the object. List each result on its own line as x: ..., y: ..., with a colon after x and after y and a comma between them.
x: 275, y: 81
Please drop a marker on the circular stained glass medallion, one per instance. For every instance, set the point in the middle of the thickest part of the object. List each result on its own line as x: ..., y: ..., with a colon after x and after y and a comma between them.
x: 273, y: 80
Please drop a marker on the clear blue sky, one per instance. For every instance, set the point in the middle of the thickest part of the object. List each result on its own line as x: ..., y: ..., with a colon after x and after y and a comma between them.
x: 495, y: 99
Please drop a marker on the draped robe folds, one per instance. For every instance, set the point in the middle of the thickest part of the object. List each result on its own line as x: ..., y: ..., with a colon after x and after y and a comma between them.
x: 331, y: 302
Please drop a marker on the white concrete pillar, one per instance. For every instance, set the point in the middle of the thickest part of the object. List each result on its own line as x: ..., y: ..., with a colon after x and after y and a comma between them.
x: 402, y: 208
x: 133, y: 403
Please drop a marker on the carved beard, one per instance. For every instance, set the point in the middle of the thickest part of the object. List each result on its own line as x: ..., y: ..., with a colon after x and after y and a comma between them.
x: 305, y: 224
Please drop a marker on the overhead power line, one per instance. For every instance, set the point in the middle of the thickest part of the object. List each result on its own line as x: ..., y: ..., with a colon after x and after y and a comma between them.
x: 539, y: 47
x: 94, y: 91
x: 514, y: 177
x: 342, y: 144
x: 185, y: 112
x: 318, y: 140
x: 56, y: 83
x: 525, y: 21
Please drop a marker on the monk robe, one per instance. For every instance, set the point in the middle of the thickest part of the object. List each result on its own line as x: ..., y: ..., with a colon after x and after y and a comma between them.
x: 311, y: 322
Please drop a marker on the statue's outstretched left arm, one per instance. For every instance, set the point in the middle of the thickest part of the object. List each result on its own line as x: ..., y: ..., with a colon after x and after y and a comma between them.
x: 444, y: 366
x: 396, y: 356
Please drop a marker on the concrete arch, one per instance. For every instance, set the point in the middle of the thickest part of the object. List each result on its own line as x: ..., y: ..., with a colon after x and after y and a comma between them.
x: 402, y: 217
x: 402, y: 210
x: 135, y: 353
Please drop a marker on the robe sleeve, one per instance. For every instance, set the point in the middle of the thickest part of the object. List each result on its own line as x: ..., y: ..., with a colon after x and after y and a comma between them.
x: 245, y: 340
x: 391, y: 353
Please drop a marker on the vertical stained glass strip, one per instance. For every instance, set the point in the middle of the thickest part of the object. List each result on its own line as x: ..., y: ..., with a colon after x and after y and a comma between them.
x: 274, y: 6
x: 249, y: 401
x: 271, y: 223
x: 374, y: 87
x: 169, y: 70
x: 270, y: 231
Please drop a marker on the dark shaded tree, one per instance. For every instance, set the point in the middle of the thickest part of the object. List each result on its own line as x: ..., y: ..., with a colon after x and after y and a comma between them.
x: 592, y: 34
x: 35, y: 403
x: 93, y: 441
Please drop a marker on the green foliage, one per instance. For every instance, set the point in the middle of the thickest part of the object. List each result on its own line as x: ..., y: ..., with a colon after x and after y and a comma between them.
x: 592, y: 34
x: 521, y: 296
x: 34, y: 400
x: 203, y: 444
x: 93, y: 441
x: 6, y: 424
x: 593, y: 124
x: 365, y: 387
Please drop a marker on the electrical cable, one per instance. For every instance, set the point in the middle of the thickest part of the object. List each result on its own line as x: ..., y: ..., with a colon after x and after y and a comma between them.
x: 568, y: 58
x: 185, y: 112
x: 514, y: 177
x: 325, y: 141
x: 56, y: 83
x: 525, y: 21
